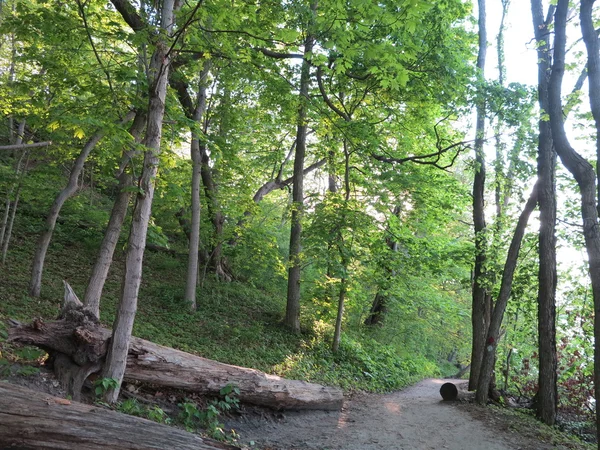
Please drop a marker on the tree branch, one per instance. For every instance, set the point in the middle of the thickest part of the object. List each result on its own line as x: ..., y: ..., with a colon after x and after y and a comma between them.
x: 25, y: 146
x: 129, y: 14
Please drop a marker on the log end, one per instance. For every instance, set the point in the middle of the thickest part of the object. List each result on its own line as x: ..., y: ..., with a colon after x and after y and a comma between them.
x: 449, y: 391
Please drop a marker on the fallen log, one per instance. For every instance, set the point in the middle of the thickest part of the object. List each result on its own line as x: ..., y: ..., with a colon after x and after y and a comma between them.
x: 78, y: 336
x: 33, y: 420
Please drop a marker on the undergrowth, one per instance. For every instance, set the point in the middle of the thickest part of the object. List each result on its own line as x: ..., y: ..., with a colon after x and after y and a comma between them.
x: 236, y: 323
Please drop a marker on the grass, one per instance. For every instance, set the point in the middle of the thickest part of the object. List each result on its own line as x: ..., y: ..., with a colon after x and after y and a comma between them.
x: 235, y: 323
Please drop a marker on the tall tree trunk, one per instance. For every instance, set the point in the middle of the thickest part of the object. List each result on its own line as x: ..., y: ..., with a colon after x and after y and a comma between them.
x: 292, y: 312
x: 593, y: 65
x: 35, y: 285
x: 481, y: 299
x: 194, y: 243
x: 159, y: 72
x: 493, y: 335
x: 584, y: 174
x: 547, y: 391
x: 337, y: 336
x: 215, y: 213
x: 93, y: 291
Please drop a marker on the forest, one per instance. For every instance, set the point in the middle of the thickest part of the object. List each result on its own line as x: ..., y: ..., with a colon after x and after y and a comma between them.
x: 349, y: 193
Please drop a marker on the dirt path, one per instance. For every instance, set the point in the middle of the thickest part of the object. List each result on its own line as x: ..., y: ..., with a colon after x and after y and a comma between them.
x: 414, y: 419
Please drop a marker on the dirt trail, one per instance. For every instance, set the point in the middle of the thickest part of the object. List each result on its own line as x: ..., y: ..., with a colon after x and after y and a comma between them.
x: 414, y: 419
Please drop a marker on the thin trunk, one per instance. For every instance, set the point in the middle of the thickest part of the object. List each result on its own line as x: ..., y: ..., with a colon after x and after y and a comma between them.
x: 343, y: 254
x: 547, y: 390
x: 6, y: 241
x: 7, y: 205
x: 493, y: 334
x: 591, y: 41
x: 292, y: 312
x: 216, y: 216
x: 93, y: 292
x: 194, y: 243
x: 194, y: 232
x: 337, y: 336
x: 116, y: 358
x: 35, y: 285
x: 500, y: 176
x: 480, y: 310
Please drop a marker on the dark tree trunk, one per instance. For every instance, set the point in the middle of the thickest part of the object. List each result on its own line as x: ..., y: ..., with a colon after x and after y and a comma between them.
x: 379, y: 307
x: 493, y: 336
x: 378, y: 310
x: 481, y: 300
x: 584, y: 174
x: 547, y: 394
x: 292, y: 311
x: 591, y: 41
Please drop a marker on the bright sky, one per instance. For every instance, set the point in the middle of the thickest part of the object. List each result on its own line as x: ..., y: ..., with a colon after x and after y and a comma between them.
x: 521, y: 66
x: 521, y: 58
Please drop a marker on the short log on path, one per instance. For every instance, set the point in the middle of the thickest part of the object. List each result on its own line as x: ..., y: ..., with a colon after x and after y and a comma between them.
x: 449, y: 391
x: 84, y: 343
x: 33, y: 420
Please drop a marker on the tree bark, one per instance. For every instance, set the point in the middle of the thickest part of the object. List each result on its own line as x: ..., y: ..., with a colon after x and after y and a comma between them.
x: 547, y: 391
x: 35, y: 284
x: 93, y: 291
x: 585, y: 176
x: 481, y: 299
x: 493, y: 334
x: 159, y: 73
x: 593, y: 66
x: 292, y: 311
x: 194, y: 237
x: 78, y: 336
x: 34, y: 420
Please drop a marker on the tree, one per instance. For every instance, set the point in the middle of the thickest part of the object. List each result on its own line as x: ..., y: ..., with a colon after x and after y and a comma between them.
x: 547, y: 393
x: 93, y: 291
x: 195, y: 112
x: 292, y: 311
x: 481, y: 297
x: 157, y: 89
x: 590, y: 38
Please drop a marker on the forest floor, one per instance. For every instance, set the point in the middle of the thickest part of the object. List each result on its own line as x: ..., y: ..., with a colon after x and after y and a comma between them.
x: 415, y: 418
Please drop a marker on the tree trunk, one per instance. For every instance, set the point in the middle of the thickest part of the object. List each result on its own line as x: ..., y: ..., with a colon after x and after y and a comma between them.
x: 337, y: 336
x: 292, y: 311
x: 51, y: 423
x: 7, y: 208
x: 493, y: 335
x: 593, y: 65
x: 194, y: 237
x: 585, y: 176
x: 79, y: 337
x: 159, y: 73
x: 93, y: 292
x: 481, y: 299
x: 379, y: 306
x: 35, y: 284
x: 547, y: 393
x: 378, y: 310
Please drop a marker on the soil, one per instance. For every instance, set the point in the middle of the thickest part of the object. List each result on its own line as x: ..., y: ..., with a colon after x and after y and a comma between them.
x: 415, y: 418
